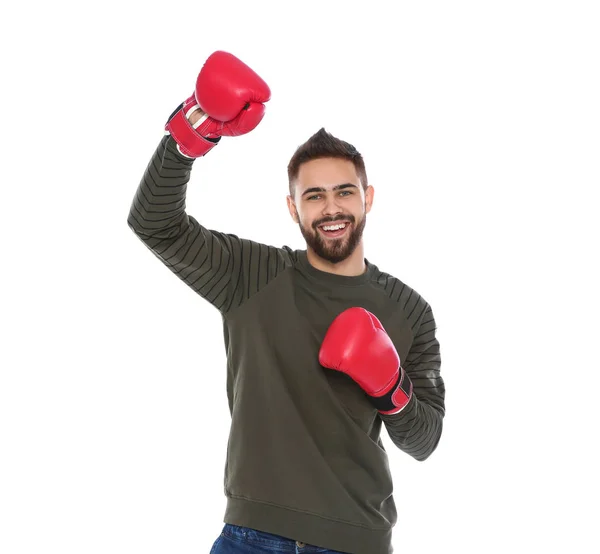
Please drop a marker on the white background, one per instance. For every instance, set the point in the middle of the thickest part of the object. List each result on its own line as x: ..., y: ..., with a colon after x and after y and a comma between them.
x: 479, y: 123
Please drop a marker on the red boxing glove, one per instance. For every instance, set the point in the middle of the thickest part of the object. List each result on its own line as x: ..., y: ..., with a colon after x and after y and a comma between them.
x: 232, y: 97
x: 356, y: 344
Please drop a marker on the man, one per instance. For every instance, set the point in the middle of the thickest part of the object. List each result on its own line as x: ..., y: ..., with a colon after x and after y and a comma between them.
x: 322, y: 347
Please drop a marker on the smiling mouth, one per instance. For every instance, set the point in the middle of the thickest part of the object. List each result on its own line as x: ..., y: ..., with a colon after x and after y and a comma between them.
x: 335, y: 229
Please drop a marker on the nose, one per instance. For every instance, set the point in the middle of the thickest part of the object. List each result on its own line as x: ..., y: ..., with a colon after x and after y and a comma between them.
x: 331, y: 206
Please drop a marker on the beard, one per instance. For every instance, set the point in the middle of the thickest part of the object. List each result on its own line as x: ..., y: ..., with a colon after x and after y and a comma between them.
x: 334, y: 250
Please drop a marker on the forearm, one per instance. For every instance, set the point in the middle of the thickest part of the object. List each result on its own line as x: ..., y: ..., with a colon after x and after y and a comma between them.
x: 417, y: 429
x: 158, y: 208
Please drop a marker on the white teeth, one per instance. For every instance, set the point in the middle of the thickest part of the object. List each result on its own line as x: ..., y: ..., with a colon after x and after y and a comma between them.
x: 334, y: 227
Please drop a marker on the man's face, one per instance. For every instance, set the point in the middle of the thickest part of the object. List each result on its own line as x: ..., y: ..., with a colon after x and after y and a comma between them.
x: 330, y: 206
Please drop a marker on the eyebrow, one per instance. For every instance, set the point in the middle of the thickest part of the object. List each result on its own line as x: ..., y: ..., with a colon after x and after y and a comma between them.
x: 321, y: 189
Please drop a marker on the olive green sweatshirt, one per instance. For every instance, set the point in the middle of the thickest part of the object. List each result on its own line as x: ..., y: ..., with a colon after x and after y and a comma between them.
x: 304, y: 458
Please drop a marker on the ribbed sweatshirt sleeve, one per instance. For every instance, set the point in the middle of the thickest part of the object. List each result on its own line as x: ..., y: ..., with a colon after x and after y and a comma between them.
x: 417, y: 429
x: 222, y: 268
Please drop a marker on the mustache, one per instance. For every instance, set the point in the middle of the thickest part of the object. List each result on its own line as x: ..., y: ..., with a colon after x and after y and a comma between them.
x: 326, y: 220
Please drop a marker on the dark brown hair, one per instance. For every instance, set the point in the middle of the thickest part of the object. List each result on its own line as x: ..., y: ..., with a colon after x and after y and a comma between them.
x: 324, y: 145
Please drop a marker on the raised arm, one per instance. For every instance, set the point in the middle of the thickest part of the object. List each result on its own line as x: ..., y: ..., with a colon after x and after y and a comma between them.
x: 228, y: 101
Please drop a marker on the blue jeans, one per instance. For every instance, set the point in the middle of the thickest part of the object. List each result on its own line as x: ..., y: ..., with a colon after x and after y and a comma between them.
x: 240, y: 540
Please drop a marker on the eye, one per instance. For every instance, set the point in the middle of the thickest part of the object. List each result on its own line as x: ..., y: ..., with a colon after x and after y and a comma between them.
x: 345, y: 192
x: 314, y: 196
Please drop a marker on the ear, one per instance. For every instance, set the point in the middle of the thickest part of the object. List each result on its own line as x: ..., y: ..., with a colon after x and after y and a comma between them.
x: 292, y: 208
x: 369, y: 194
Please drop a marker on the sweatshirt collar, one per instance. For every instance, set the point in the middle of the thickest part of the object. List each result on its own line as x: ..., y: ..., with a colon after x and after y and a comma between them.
x: 333, y: 278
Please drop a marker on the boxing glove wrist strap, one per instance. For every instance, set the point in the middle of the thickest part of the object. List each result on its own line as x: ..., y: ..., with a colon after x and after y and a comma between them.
x: 189, y: 142
x: 396, y: 399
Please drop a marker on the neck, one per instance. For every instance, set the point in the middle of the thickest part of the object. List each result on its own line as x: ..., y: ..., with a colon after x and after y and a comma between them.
x: 352, y: 266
